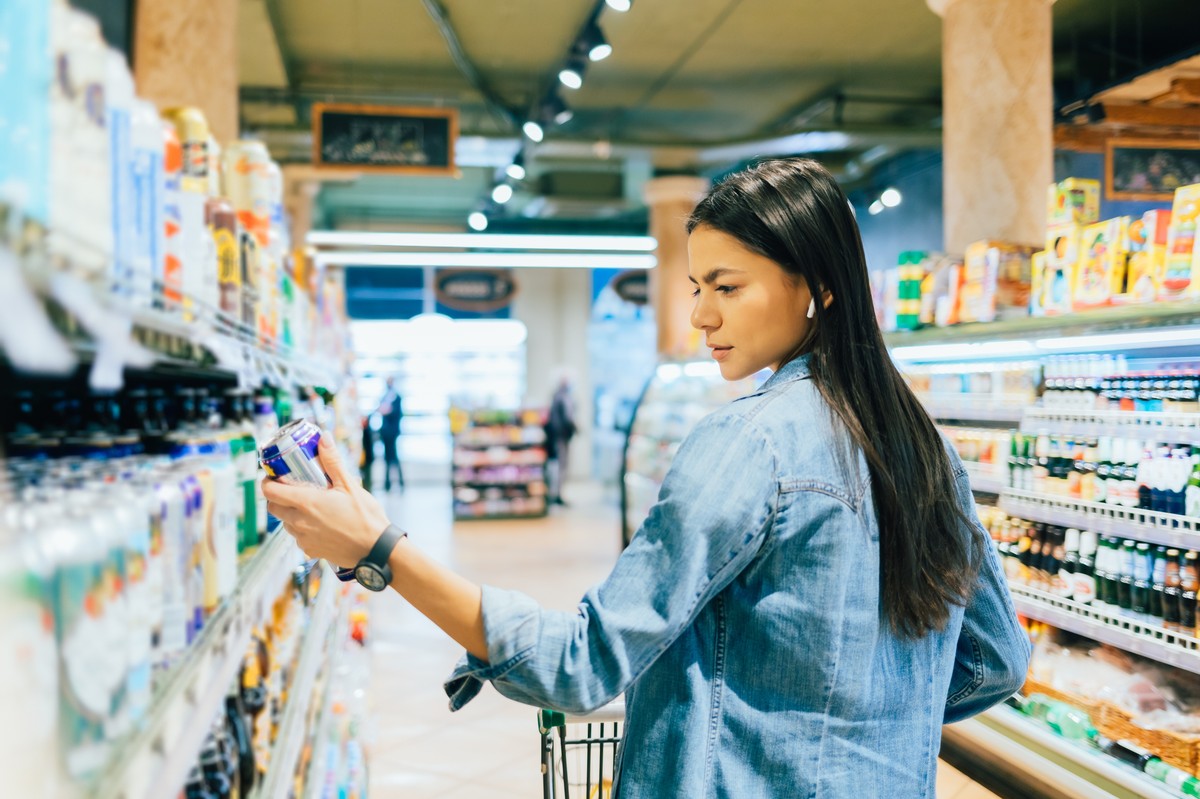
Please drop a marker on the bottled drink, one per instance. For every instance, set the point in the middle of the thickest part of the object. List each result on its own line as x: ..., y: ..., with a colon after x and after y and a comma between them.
x: 1128, y: 557
x: 1189, y: 580
x: 1143, y: 566
x: 1171, y: 591
x: 1070, y: 562
x: 1158, y: 584
x: 1083, y: 588
x: 1192, y: 491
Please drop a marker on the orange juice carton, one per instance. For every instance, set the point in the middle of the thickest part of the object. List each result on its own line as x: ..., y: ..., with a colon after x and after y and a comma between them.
x: 1181, y: 269
x: 1073, y: 201
x: 1103, y: 253
x: 1062, y: 259
x: 996, y: 281
x: 1147, y: 255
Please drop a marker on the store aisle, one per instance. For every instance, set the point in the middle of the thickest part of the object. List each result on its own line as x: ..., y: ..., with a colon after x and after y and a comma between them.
x: 420, y: 750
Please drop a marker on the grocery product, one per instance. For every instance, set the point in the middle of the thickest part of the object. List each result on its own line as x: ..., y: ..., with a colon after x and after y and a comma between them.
x: 1073, y: 201
x: 1147, y: 256
x: 1062, y: 259
x: 1181, y: 270
x: 996, y: 282
x: 1103, y: 253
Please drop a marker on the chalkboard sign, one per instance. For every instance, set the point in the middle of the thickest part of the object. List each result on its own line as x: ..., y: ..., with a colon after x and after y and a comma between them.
x: 376, y: 138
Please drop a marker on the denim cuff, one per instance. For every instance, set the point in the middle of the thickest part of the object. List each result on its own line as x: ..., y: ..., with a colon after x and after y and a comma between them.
x: 511, y: 624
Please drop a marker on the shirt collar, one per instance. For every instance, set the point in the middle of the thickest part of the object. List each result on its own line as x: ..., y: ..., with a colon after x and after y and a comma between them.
x: 795, y: 369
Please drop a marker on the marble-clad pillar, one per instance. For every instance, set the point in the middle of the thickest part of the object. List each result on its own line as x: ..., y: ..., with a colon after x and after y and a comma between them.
x: 997, y: 101
x: 671, y: 200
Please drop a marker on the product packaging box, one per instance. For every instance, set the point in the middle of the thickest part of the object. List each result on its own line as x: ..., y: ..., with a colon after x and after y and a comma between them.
x: 1103, y: 253
x: 911, y: 273
x: 1062, y: 259
x: 996, y: 283
x: 1181, y: 270
x: 1037, y: 283
x: 1073, y: 201
x: 1147, y: 256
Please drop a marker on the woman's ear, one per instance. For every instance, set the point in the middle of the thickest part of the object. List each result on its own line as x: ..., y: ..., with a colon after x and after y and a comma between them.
x: 826, y: 298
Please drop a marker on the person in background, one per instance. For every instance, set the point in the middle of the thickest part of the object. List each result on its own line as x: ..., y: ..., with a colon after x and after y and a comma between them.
x: 391, y: 411
x: 811, y: 598
x: 368, y: 452
x: 560, y: 429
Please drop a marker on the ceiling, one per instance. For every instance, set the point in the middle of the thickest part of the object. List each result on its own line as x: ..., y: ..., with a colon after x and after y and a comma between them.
x: 688, y: 81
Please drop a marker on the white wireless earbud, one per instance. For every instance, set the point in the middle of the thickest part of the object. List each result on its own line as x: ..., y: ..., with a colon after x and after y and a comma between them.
x: 812, y: 308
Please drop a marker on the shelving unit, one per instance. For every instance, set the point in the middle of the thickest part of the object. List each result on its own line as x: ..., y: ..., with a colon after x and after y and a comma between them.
x: 500, y: 466
x: 285, y: 755
x: 1167, y: 529
x: 1046, y: 761
x: 1173, y: 427
x: 970, y: 408
x: 1123, y: 632
x: 155, y: 761
x: 984, y: 479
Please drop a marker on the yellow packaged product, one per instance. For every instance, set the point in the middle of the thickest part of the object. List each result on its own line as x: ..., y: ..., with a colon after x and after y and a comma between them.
x: 1103, y: 252
x: 1037, y: 283
x: 1147, y: 256
x: 1073, y: 201
x: 1181, y: 270
x: 996, y: 281
x: 1062, y: 259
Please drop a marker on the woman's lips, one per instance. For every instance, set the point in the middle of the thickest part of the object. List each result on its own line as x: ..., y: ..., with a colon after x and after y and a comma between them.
x: 721, y: 353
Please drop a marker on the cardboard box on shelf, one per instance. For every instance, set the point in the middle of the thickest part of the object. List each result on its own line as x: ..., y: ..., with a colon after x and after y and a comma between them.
x: 1073, y: 201
x: 1147, y: 255
x: 1037, y: 283
x: 996, y: 282
x: 1062, y: 259
x: 1103, y: 252
x: 1181, y: 270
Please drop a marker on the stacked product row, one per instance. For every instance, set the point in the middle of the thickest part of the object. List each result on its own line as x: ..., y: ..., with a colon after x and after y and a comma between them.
x: 499, y: 463
x: 147, y: 209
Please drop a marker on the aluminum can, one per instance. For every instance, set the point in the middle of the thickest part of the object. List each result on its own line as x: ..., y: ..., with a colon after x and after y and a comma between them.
x: 246, y: 171
x: 192, y: 127
x: 290, y: 456
x: 222, y: 225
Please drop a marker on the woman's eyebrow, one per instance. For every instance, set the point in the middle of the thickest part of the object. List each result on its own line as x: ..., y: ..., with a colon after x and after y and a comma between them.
x: 719, y: 271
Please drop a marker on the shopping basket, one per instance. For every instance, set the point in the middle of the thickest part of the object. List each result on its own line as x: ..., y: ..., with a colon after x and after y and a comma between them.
x: 579, y: 751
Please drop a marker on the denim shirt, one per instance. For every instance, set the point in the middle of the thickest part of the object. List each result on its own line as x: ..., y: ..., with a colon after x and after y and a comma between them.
x: 744, y: 625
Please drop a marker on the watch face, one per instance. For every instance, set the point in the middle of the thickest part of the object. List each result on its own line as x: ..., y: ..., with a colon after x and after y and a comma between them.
x: 370, y: 577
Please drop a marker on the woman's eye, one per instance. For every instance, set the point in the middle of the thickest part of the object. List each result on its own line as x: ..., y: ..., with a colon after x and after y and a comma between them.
x: 726, y: 289
x: 696, y: 292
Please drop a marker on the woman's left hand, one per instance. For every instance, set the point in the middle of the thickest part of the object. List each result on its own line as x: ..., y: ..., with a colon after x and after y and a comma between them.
x: 340, y: 523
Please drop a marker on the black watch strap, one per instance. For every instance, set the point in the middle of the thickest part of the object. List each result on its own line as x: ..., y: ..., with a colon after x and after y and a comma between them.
x: 381, y: 553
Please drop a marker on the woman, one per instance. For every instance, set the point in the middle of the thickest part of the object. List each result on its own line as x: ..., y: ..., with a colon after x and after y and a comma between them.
x: 810, y: 599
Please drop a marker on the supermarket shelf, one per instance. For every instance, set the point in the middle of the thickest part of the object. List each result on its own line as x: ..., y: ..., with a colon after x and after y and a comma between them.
x: 497, y: 483
x: 1148, y: 640
x: 983, y: 479
x: 475, y: 447
x: 1169, y: 427
x: 1101, y: 320
x: 155, y: 761
x: 278, y: 784
x: 501, y: 517
x: 1026, y: 749
x: 970, y: 408
x: 1168, y: 529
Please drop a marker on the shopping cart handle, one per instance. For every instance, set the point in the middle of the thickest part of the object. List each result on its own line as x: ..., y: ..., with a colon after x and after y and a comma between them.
x: 549, y: 719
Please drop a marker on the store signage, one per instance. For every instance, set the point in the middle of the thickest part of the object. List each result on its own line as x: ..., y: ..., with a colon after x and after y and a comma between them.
x: 632, y: 286
x: 376, y: 138
x: 479, y: 290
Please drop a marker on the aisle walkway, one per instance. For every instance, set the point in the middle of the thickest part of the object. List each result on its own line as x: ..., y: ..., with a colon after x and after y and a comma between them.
x: 490, y: 748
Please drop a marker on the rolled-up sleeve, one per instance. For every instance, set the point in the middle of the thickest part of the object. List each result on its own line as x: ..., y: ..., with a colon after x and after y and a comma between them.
x: 714, y: 511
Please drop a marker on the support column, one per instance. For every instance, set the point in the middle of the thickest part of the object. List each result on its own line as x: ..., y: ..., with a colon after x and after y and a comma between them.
x: 671, y: 200
x: 997, y: 101
x: 185, y: 53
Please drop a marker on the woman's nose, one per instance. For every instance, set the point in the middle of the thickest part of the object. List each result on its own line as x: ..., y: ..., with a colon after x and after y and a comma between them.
x: 703, y: 317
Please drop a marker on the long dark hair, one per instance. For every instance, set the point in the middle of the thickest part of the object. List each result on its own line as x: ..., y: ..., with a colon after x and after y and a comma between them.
x: 793, y: 212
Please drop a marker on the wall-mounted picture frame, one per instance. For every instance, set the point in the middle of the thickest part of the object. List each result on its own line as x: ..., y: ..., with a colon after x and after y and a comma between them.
x: 1149, y: 169
x: 391, y: 139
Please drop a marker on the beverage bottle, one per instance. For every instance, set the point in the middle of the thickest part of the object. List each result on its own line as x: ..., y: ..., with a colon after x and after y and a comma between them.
x: 1192, y: 490
x: 1070, y: 722
x: 1183, y: 782
x: 1041, y: 464
x: 1158, y: 584
x: 1103, y: 468
x: 1143, y: 573
x: 1171, y: 591
x: 1083, y: 588
x: 1128, y: 557
x: 1189, y: 580
x: 1108, y: 573
x: 1069, y: 568
x: 1037, y: 576
x: 1126, y: 751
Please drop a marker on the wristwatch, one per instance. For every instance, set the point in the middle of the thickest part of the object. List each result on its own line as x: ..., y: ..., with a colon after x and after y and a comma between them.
x: 373, y: 571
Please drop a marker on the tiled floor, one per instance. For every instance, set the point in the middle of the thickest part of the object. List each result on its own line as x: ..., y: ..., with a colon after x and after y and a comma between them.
x: 418, y: 749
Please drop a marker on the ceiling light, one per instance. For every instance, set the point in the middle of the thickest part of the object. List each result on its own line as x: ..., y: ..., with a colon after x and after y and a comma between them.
x: 595, y: 44
x: 516, y: 170
x: 498, y: 260
x: 477, y: 220
x: 492, y: 241
x: 554, y: 107
x: 502, y: 193
x: 890, y: 198
x: 533, y: 130
x: 619, y: 5
x: 572, y: 74
x: 875, y: 208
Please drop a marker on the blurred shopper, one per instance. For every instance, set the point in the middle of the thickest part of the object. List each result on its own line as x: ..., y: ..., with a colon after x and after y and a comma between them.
x: 391, y: 412
x: 560, y: 429
x: 811, y: 598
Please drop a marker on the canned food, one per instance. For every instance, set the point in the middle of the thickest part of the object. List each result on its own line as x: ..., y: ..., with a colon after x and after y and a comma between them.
x: 291, y: 455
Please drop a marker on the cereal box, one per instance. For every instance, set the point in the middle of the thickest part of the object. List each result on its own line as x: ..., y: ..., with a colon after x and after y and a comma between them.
x: 1103, y: 252
x: 1073, y: 201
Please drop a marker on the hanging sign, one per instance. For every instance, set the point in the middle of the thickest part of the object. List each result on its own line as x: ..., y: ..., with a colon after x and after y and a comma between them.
x: 633, y: 286
x: 377, y: 138
x: 478, y: 290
